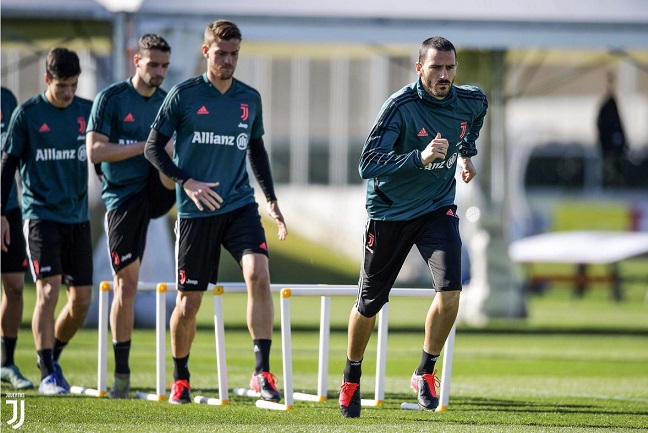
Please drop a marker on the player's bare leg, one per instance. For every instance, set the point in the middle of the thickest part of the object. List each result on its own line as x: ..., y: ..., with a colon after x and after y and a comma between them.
x: 122, y: 319
x: 439, y: 320
x: 183, y: 322
x: 13, y: 284
x: 74, y: 313
x: 260, y: 318
x: 183, y: 332
x: 438, y: 323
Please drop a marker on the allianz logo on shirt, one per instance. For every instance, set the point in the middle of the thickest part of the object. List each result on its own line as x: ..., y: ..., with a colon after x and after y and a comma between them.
x: 448, y: 163
x: 53, y: 154
x: 208, y: 137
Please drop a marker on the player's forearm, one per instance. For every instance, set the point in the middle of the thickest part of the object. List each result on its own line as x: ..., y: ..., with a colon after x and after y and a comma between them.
x: 104, y: 151
x: 375, y: 163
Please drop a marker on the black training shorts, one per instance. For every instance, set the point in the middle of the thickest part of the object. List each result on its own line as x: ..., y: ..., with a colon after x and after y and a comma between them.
x: 56, y: 248
x: 387, y: 244
x: 199, y: 240
x: 127, y: 226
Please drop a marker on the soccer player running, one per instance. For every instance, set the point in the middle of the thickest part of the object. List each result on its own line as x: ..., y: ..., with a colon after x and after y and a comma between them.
x: 217, y: 120
x: 132, y: 190
x: 410, y: 160
x: 14, y: 265
x: 46, y: 139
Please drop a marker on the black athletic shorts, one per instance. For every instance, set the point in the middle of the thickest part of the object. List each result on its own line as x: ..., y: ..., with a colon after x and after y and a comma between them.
x: 387, y: 244
x: 126, y: 227
x: 56, y: 248
x: 15, y: 260
x: 199, y: 240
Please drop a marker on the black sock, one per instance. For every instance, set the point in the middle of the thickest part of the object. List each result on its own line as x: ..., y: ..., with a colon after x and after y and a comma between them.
x: 46, y: 362
x: 262, y: 355
x: 352, y: 371
x: 181, y: 368
x: 58, y: 348
x: 427, y: 363
x: 122, y: 350
x: 8, y: 349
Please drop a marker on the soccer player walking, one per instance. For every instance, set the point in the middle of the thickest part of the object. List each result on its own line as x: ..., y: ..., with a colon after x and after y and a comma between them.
x: 217, y: 121
x: 132, y: 190
x: 46, y: 139
x: 410, y: 160
x: 14, y: 265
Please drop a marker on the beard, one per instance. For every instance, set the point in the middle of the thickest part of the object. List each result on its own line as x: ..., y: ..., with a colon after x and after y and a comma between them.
x: 225, y: 72
x: 154, y: 83
x: 440, y: 89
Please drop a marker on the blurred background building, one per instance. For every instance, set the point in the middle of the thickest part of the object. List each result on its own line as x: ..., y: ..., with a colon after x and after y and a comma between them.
x: 325, y: 68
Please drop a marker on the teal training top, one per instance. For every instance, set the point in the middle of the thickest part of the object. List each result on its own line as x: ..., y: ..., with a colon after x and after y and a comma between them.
x: 9, y: 104
x: 212, y: 132
x: 50, y: 143
x: 400, y: 187
x: 125, y: 117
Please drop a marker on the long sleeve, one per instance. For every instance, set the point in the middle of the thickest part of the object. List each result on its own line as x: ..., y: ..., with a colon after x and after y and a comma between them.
x: 378, y: 156
x: 154, y: 151
x: 260, y: 164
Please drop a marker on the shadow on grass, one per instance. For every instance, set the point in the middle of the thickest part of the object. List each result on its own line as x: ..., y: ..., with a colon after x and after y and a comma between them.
x: 395, y: 329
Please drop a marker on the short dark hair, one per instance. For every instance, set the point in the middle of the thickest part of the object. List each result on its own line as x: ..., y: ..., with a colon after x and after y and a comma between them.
x: 152, y: 41
x: 62, y: 63
x: 438, y: 43
x: 222, y: 29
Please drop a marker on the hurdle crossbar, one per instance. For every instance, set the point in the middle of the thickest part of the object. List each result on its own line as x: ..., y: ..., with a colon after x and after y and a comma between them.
x: 286, y: 292
x: 379, y: 395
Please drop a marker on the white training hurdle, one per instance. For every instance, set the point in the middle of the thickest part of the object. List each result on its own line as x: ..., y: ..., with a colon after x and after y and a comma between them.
x: 286, y: 292
x: 326, y: 292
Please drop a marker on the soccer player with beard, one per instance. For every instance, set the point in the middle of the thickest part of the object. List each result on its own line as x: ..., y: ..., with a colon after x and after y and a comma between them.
x: 410, y: 160
x: 132, y: 188
x: 217, y: 124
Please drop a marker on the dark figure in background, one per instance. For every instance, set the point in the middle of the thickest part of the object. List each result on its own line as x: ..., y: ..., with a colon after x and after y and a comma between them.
x: 611, y: 136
